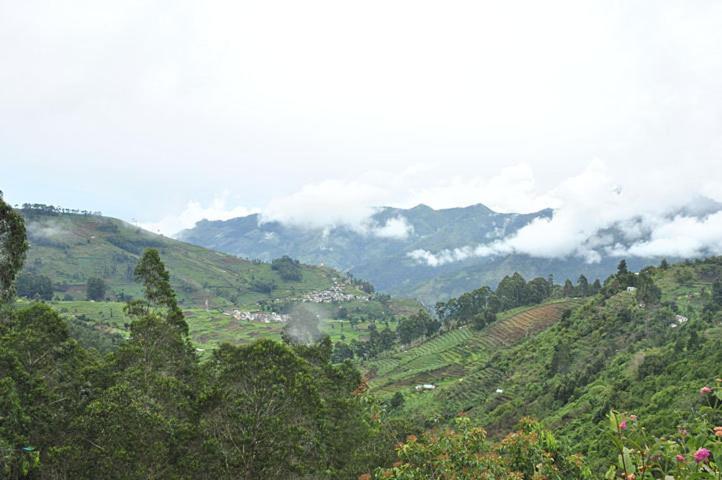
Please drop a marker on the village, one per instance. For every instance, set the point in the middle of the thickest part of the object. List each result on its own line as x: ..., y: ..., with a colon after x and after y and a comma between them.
x: 334, y: 294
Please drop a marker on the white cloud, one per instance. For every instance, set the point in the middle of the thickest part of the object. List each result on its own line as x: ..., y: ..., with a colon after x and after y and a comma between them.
x: 682, y: 237
x: 194, y: 212
x: 332, y: 203
x: 338, y: 203
x: 590, y: 204
x: 513, y: 189
x: 397, y: 227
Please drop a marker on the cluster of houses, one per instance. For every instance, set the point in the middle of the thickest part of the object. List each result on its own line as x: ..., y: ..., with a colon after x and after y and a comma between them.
x: 332, y: 295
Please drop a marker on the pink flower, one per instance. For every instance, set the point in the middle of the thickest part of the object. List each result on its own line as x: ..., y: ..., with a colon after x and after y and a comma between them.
x: 623, y: 425
x: 705, y: 390
x: 701, y: 455
x: 680, y: 458
x: 633, y: 418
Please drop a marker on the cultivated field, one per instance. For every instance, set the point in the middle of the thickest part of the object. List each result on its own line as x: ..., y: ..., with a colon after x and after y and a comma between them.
x: 458, y: 362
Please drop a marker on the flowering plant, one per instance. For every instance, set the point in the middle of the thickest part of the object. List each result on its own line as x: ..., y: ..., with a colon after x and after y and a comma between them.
x: 694, y: 452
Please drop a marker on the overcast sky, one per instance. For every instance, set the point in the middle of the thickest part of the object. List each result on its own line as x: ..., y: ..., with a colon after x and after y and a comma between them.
x: 166, y: 112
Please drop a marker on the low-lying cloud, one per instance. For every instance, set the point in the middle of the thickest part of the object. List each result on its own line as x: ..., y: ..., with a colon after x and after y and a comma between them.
x: 195, y: 212
x: 597, y: 213
x: 596, y: 217
x: 397, y: 228
x: 48, y: 229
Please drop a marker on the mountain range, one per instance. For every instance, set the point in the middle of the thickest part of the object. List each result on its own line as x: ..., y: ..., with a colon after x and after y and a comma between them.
x: 389, y: 251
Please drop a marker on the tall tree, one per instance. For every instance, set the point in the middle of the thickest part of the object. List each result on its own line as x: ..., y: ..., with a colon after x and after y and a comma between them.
x: 13, y: 246
x: 717, y: 294
x: 568, y: 289
x: 158, y: 292
x: 622, y: 267
x: 583, y: 286
x: 258, y: 419
x: 95, y: 289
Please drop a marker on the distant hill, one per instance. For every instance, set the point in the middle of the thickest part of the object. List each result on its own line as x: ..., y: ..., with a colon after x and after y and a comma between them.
x: 380, y: 254
x: 70, y: 248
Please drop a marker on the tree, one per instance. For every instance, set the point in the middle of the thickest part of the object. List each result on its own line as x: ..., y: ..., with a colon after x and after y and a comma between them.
x: 13, y: 246
x: 259, y: 417
x: 341, y: 352
x: 483, y: 319
x: 647, y: 291
x: 145, y: 413
x: 397, y: 401
x: 288, y: 269
x: 596, y: 287
x: 409, y: 329
x: 622, y: 268
x: 539, y: 289
x: 717, y: 294
x: 157, y: 290
x: 512, y: 292
x: 568, y: 289
x: 34, y: 286
x: 582, y: 286
x: 41, y: 388
x: 95, y: 289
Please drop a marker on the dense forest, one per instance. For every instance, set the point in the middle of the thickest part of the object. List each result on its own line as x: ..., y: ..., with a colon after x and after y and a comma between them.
x: 151, y: 409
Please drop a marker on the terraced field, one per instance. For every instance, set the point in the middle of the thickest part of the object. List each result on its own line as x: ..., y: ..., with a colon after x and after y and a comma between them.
x: 457, y: 361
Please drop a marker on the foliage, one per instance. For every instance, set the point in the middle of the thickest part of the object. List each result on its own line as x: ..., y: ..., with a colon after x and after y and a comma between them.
x: 287, y: 268
x: 95, y: 289
x: 480, y: 305
x: 34, y: 286
x: 693, y: 452
x: 463, y: 453
x: 13, y: 246
x: 158, y: 292
x: 418, y: 325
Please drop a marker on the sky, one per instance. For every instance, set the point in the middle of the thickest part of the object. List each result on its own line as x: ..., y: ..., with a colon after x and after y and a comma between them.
x: 313, y: 113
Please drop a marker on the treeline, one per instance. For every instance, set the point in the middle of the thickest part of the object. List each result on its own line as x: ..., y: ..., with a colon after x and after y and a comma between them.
x: 479, y: 307
x: 642, y: 284
x: 53, y: 210
x: 34, y: 286
x: 418, y: 325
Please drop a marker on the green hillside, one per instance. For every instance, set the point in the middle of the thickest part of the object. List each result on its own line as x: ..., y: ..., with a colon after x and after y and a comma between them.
x: 453, y: 358
x: 609, y: 351
x: 71, y: 248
